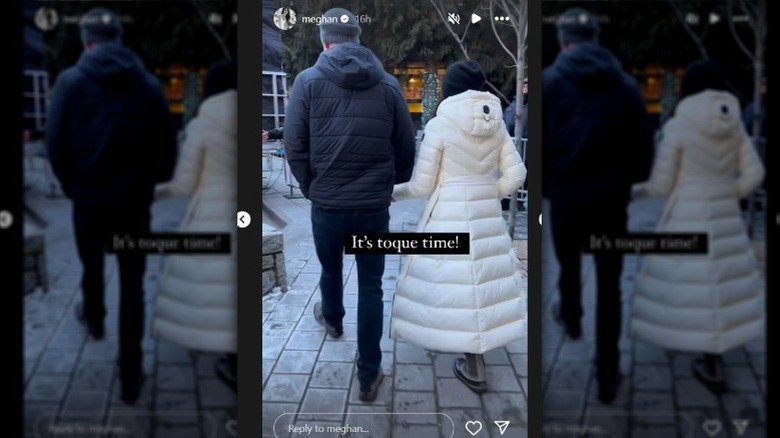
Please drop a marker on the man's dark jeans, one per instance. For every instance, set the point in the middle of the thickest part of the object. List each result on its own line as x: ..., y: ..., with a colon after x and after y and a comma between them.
x: 330, y: 227
x: 571, y: 229
x: 94, y: 226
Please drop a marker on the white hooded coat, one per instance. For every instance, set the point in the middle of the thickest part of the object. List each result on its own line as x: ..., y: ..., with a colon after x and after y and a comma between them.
x: 463, y: 303
x: 706, y: 302
x: 196, y: 303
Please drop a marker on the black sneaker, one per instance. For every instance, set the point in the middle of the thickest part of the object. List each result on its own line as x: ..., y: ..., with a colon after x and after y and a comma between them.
x: 369, y: 392
x: 96, y: 330
x: 573, y: 330
x: 608, y: 389
x: 131, y: 388
x: 334, y: 332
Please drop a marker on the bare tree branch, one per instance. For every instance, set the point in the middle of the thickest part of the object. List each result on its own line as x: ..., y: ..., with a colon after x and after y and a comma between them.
x: 440, y: 10
x: 495, y: 32
x: 212, y: 30
x: 733, y: 29
x: 688, y: 29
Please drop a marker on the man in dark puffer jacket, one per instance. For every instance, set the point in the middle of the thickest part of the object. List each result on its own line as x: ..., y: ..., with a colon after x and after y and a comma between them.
x: 349, y: 138
x: 596, y: 142
x: 110, y: 139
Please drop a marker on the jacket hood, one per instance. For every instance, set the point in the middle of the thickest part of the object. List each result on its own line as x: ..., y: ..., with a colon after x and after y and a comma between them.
x: 112, y: 64
x: 715, y: 114
x: 220, y: 110
x: 350, y: 65
x: 476, y: 113
x: 590, y: 63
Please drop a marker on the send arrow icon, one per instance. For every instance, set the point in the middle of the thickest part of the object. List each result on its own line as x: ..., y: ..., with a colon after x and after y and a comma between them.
x: 502, y: 425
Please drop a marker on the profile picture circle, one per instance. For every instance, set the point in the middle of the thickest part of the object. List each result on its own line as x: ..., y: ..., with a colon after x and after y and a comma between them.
x: 46, y: 19
x: 284, y: 18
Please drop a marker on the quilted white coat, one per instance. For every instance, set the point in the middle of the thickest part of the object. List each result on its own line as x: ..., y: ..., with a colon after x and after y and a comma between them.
x: 714, y: 302
x: 196, y: 303
x: 463, y: 303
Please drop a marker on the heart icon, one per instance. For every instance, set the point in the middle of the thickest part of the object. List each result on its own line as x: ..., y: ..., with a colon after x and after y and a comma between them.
x: 473, y: 427
x: 232, y: 427
x: 711, y: 427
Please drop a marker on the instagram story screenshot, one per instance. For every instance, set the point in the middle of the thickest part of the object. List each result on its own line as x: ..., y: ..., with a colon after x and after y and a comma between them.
x: 129, y: 169
x: 655, y: 180
x: 394, y: 219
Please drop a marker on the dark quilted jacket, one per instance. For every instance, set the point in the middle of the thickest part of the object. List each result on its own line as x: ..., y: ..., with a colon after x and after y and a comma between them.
x: 348, y: 135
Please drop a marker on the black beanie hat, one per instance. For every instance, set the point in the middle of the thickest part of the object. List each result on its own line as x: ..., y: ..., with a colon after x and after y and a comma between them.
x: 462, y: 76
x: 222, y: 76
x: 702, y: 75
x: 576, y: 25
x: 339, y: 26
x: 99, y: 25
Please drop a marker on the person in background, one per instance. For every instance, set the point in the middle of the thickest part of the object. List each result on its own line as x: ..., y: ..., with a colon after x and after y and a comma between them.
x: 705, y: 303
x: 596, y: 143
x: 196, y: 303
x: 273, y: 134
x: 348, y: 137
x: 469, y: 303
x: 110, y: 139
x: 510, y: 113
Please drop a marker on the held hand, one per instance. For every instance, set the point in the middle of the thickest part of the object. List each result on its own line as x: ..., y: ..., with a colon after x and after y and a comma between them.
x: 265, y: 135
x: 639, y: 190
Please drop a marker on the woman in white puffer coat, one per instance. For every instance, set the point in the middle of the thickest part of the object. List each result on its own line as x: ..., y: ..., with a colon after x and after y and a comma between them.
x: 196, y: 302
x: 463, y: 303
x: 706, y: 303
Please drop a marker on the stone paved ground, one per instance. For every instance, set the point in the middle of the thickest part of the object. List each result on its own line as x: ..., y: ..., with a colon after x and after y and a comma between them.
x: 659, y: 396
x: 307, y: 372
x: 71, y: 382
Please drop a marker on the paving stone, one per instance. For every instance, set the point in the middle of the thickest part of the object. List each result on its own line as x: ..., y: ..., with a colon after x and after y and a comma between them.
x: 502, y: 378
x: 415, y: 431
x: 204, y: 364
x: 176, y: 408
x: 452, y: 393
x: 129, y: 422
x: 374, y: 419
x: 285, y: 388
x: 691, y: 394
x: 219, y: 423
x: 507, y: 406
x: 560, y: 404
x: 414, y: 377
x: 652, y: 408
x: 308, y: 323
x: 296, y: 362
x: 497, y: 356
x: 267, y: 366
x: 744, y: 405
x: 415, y: 408
x: 652, y: 377
x: 175, y: 377
x: 292, y: 298
x: 272, y: 348
x: 520, y: 362
x: 170, y: 353
x: 99, y: 351
x: 286, y: 313
x: 46, y: 388
x: 278, y: 329
x: 338, y: 351
x: 570, y: 376
x: 408, y: 353
x: 85, y: 405
x: 305, y: 341
x: 277, y: 417
x: 646, y: 353
x: 93, y: 375
x: 215, y: 394
x: 332, y: 375
x: 443, y: 364
x: 37, y: 418
x: 57, y: 362
x: 321, y: 404
x: 681, y: 365
x: 740, y: 379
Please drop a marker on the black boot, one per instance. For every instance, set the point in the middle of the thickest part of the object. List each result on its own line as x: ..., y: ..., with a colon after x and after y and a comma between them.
x: 708, y: 369
x: 227, y: 370
x: 471, y: 371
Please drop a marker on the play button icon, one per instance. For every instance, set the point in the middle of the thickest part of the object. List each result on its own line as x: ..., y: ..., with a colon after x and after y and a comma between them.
x: 243, y: 219
x: 475, y: 18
